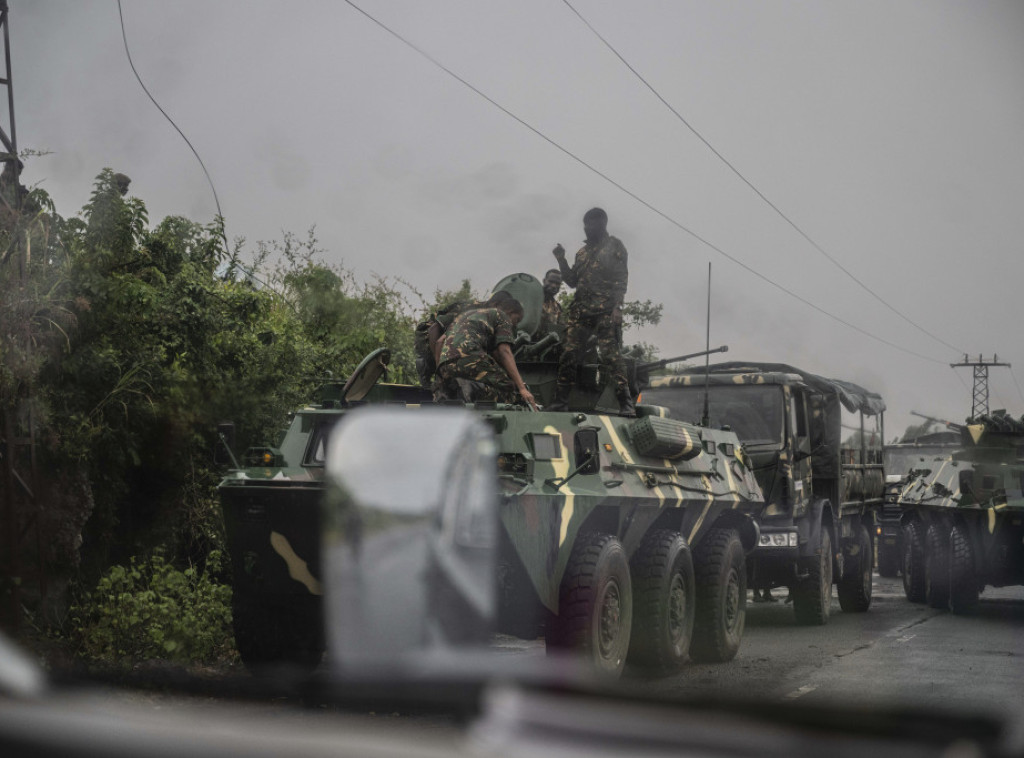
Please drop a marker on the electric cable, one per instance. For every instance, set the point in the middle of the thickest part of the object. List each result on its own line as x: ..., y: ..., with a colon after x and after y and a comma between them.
x: 756, y: 191
x: 632, y: 194
x: 223, y: 229
x: 216, y: 200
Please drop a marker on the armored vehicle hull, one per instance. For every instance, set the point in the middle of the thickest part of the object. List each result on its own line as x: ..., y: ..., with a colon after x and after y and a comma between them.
x: 963, y: 518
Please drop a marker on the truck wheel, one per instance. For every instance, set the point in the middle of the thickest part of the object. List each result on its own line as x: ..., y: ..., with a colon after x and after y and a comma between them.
x: 271, y: 638
x: 595, y: 604
x: 888, y: 561
x: 812, y: 596
x: 963, y: 579
x: 855, y: 585
x: 913, y: 562
x: 663, y: 593
x: 721, y: 607
x: 936, y: 566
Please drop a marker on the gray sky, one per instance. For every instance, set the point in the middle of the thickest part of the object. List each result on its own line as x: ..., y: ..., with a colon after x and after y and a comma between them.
x: 892, y: 134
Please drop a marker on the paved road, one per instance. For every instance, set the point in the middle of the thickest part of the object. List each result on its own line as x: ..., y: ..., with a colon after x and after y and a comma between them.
x: 897, y: 653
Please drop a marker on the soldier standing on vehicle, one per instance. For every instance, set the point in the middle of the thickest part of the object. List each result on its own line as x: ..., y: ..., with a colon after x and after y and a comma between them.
x: 599, y: 275
x: 551, y: 312
x: 476, y: 352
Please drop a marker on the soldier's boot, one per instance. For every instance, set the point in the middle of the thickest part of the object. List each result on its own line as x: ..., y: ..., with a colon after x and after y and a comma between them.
x: 626, y: 405
x: 561, y: 399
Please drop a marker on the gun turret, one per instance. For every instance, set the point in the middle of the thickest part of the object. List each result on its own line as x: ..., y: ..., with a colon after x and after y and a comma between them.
x: 654, y: 365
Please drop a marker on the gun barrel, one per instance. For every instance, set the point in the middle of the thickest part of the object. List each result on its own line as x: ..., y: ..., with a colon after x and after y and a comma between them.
x: 949, y: 424
x: 665, y: 361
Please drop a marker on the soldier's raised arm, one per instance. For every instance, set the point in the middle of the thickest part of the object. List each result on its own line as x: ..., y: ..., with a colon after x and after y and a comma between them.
x: 568, y: 272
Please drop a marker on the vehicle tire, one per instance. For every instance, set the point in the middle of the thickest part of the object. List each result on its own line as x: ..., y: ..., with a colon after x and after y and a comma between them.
x: 812, y: 596
x: 888, y: 561
x: 664, y: 603
x: 595, y: 604
x: 936, y: 566
x: 963, y: 578
x: 721, y: 596
x: 274, y: 639
x: 913, y: 562
x: 854, y: 588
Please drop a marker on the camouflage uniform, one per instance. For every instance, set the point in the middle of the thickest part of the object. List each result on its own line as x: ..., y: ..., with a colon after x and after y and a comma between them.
x: 466, y: 355
x: 599, y: 275
x: 550, y: 317
x: 425, y: 366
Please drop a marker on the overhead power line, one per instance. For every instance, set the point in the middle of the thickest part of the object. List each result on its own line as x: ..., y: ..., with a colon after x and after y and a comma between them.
x: 756, y: 191
x: 216, y: 200
x: 408, y: 43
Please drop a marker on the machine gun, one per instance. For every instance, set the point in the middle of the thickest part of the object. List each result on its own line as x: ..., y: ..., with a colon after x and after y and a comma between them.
x: 947, y: 424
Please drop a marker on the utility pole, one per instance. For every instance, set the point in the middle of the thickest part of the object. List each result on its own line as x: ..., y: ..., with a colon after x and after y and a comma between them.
x: 979, y: 404
x: 17, y: 429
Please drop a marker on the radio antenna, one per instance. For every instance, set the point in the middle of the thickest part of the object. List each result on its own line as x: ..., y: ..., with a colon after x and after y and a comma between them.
x: 706, y: 418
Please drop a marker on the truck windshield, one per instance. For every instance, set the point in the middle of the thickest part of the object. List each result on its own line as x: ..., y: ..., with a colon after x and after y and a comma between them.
x: 754, y: 412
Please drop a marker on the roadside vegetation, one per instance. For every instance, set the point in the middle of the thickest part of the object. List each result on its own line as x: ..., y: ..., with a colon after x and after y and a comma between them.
x: 126, y: 343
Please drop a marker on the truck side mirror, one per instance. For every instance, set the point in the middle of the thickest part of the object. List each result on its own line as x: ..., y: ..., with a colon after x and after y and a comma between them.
x: 223, y: 450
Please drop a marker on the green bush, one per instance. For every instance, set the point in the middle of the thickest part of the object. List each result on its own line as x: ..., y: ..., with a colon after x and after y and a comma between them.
x: 151, y: 610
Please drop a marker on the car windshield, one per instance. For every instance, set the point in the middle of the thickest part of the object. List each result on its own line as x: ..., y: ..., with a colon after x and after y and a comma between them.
x: 511, y: 215
x: 754, y: 412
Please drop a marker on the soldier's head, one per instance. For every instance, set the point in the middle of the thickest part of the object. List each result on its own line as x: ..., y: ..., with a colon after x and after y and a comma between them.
x: 513, y: 309
x: 552, y: 282
x: 595, y: 224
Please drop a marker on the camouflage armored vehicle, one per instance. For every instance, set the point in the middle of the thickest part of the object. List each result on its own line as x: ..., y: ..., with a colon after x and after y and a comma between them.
x: 963, y: 517
x: 821, y: 497
x: 901, y: 460
x: 620, y: 537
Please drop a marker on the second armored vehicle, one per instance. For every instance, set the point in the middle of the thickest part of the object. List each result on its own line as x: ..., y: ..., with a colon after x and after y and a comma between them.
x: 963, y: 517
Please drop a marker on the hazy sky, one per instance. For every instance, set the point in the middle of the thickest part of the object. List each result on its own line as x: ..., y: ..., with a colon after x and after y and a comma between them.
x: 890, y: 133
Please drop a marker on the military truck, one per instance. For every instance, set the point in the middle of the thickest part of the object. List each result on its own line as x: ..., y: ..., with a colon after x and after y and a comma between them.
x: 822, y: 499
x: 963, y: 517
x: 901, y: 459
x: 619, y: 538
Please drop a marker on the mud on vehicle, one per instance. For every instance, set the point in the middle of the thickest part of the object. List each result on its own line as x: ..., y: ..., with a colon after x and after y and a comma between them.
x: 821, y: 499
x: 963, y: 518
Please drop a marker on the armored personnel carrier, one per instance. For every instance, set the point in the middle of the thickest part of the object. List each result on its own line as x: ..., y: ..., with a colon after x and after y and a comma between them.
x: 822, y: 495
x: 963, y: 517
x: 621, y: 538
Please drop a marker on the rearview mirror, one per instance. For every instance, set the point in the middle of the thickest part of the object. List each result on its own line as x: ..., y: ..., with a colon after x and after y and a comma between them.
x: 410, y: 534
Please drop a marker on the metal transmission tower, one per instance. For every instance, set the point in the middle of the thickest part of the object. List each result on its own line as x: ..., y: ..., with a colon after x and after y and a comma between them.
x: 979, y: 404
x: 9, y: 141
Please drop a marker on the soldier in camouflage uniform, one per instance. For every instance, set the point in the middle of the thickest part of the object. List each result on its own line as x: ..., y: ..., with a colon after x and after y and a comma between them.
x: 551, y: 312
x: 599, y: 275
x: 476, y: 362
x: 427, y: 339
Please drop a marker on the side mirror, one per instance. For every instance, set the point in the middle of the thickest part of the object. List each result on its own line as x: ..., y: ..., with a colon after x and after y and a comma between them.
x: 223, y: 450
x: 409, y: 535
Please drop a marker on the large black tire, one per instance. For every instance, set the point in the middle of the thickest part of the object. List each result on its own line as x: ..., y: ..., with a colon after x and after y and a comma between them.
x: 963, y: 578
x: 913, y: 562
x: 888, y: 561
x: 721, y: 609
x: 663, y: 602
x: 936, y: 566
x: 277, y: 638
x: 855, y: 585
x: 595, y: 604
x: 812, y: 596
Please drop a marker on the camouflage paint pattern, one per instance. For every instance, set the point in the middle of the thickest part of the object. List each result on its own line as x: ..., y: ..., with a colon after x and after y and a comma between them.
x: 626, y: 496
x: 991, y: 463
